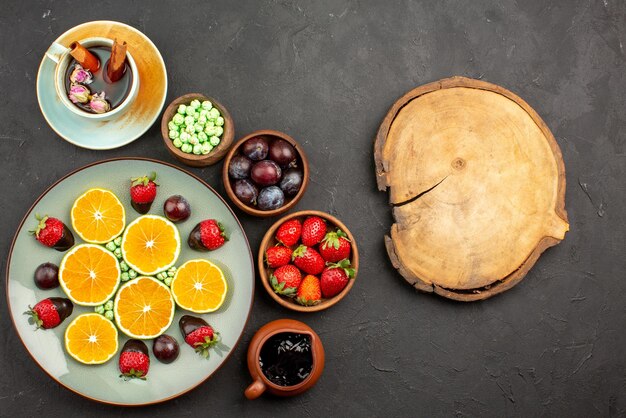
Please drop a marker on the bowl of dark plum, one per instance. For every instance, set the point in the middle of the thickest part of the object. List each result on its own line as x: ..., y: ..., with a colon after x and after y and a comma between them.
x: 265, y: 173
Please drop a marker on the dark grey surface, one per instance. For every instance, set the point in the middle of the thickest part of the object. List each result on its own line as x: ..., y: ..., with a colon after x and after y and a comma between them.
x: 326, y: 72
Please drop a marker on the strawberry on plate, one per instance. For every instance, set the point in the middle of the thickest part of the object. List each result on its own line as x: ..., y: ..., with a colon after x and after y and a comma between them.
x: 289, y: 232
x: 143, y: 191
x: 52, y: 232
x: 50, y: 312
x: 335, y: 278
x: 308, y: 260
x: 208, y: 235
x: 277, y: 256
x: 286, y: 279
x: 134, y: 361
x: 313, y: 230
x: 335, y: 246
x: 309, y: 292
x: 198, y: 334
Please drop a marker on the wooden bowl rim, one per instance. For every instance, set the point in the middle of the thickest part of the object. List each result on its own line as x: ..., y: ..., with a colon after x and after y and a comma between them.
x: 216, y: 153
x: 269, y: 236
x: 291, y: 203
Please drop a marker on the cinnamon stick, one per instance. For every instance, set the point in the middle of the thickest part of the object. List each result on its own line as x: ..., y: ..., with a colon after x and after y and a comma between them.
x: 117, y: 62
x: 85, y: 58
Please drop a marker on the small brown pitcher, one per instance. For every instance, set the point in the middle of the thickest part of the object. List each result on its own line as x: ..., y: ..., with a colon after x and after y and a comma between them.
x: 261, y: 383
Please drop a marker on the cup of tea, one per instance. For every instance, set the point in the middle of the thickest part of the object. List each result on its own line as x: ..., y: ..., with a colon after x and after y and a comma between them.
x: 285, y: 358
x: 119, y: 95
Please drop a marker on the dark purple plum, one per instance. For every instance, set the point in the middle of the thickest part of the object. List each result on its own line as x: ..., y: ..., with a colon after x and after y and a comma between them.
x: 176, y: 208
x: 291, y: 182
x: 283, y: 153
x: 239, y: 167
x: 270, y: 198
x: 265, y: 173
x: 47, y: 276
x: 255, y: 148
x: 246, y: 192
x: 165, y: 348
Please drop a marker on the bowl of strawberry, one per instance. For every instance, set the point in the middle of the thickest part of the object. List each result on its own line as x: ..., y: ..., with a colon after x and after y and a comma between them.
x: 265, y: 173
x: 308, y: 261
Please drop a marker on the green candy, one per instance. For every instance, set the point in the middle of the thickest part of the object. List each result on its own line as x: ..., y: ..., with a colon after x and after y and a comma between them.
x: 190, y: 129
x: 108, y: 306
x: 198, y: 127
x: 197, y: 149
x: 187, y: 148
x: 196, y: 115
x: 172, y: 126
x: 181, y: 109
x: 184, y: 137
x: 161, y: 276
x: 99, y: 309
x: 190, y: 111
x: 202, y: 119
x: 219, y: 131
x: 118, y: 253
x: 111, y: 246
x: 167, y: 281
x: 125, y: 277
x: 132, y: 273
x: 206, y: 148
x: 174, y: 134
x: 204, y: 112
x: 195, y: 104
x: 124, y: 266
x: 219, y: 121
x: 118, y: 241
x: 214, y: 114
x: 189, y: 120
x: 202, y: 137
x: 171, y: 272
x: 207, y: 105
x: 178, y: 119
x: 211, y: 131
x: 108, y: 315
x: 214, y: 141
x: 194, y: 140
x: 177, y: 143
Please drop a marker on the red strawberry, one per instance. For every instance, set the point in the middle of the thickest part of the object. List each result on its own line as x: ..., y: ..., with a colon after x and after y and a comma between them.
x: 313, y: 230
x: 277, y: 256
x: 142, y: 192
x: 208, y: 235
x: 198, y: 334
x: 309, y: 292
x: 50, y: 312
x: 289, y: 232
x: 51, y: 232
x: 335, y: 246
x: 286, y: 279
x: 134, y: 360
x: 335, y: 277
x: 308, y: 260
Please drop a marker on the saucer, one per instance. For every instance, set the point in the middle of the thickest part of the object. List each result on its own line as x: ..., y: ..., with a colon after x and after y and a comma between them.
x: 130, y: 125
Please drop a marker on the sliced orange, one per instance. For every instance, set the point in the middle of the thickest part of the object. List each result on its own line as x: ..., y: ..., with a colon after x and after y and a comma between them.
x: 199, y: 286
x: 144, y: 308
x: 150, y: 244
x: 89, y: 274
x: 98, y: 216
x: 91, y: 339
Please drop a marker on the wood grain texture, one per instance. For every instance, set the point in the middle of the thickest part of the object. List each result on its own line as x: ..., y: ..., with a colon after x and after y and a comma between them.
x: 477, y: 185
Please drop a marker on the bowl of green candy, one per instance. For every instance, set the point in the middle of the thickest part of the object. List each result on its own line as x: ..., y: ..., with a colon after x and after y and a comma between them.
x: 197, y: 129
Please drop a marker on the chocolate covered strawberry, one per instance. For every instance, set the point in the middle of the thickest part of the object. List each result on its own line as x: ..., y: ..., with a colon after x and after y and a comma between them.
x: 208, y: 235
x: 277, y: 256
x: 50, y: 312
x: 309, y: 292
x: 313, y: 230
x: 198, y: 334
x: 335, y: 278
x: 134, y: 360
x: 143, y: 191
x: 335, y: 246
x: 52, y: 232
x: 286, y: 279
x: 289, y: 232
x: 308, y: 260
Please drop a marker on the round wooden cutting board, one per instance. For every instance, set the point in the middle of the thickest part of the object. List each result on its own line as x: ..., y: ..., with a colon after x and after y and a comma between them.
x: 477, y: 185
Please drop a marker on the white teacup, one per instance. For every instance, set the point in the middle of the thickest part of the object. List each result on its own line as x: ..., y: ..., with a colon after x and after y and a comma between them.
x: 61, y: 55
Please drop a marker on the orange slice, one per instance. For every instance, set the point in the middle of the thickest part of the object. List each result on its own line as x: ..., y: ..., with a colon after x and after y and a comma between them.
x: 89, y: 275
x: 150, y: 244
x: 98, y: 216
x: 91, y: 339
x: 144, y: 308
x: 199, y: 286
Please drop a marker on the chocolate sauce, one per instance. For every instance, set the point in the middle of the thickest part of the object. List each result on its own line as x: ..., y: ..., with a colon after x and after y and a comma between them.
x: 66, y: 241
x: 136, y: 346
x: 115, y: 93
x: 286, y: 358
x: 189, y: 324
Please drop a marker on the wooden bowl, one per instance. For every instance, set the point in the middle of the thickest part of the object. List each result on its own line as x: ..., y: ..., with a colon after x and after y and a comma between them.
x: 216, y: 153
x: 289, y: 203
x: 269, y: 240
